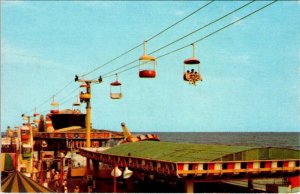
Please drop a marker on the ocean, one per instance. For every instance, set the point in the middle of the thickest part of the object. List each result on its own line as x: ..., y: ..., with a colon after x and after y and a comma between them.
x: 254, y: 139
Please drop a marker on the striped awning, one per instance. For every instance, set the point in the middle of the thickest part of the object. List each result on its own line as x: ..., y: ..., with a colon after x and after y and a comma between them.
x: 8, y: 161
x: 16, y: 182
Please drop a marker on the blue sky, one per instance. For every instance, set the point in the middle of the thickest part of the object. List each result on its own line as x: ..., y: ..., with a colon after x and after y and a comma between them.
x: 250, y: 70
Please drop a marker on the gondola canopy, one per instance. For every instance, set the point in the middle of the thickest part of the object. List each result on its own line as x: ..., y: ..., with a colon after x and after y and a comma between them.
x: 147, y: 65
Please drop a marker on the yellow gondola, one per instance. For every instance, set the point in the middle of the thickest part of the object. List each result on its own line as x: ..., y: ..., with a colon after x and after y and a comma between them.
x: 147, y: 65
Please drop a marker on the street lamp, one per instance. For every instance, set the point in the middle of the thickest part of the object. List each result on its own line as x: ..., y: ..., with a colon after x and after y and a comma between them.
x: 116, y: 172
x: 86, y: 97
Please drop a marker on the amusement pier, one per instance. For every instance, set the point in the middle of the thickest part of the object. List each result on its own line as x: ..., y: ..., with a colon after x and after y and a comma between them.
x: 53, y: 155
x: 248, y: 81
x: 61, y: 152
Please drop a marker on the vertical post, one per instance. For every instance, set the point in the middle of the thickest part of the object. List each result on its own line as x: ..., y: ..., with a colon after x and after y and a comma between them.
x: 42, y: 170
x: 88, y: 117
x: 193, y: 49
x: 115, y: 179
x: 88, y: 125
x: 189, y: 186
x: 61, y: 172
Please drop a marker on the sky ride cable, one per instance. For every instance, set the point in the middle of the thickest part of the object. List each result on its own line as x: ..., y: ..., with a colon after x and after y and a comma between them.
x: 178, y: 49
x: 137, y: 46
x: 154, y: 36
x: 202, y: 27
x: 179, y: 21
x: 220, y: 29
x: 67, y: 96
x: 49, y: 98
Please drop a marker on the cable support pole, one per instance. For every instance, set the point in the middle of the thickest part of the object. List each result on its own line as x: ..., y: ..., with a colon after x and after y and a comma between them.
x: 220, y: 29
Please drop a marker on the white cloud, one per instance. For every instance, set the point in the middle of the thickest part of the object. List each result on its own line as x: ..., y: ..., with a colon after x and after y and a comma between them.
x: 13, y: 3
x: 179, y: 13
x: 13, y: 55
x: 237, y: 58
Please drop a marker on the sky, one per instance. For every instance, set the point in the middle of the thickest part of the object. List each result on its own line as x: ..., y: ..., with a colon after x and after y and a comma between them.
x: 250, y: 70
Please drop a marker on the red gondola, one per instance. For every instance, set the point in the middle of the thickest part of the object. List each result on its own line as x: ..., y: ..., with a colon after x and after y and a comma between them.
x: 147, y: 65
x: 115, y: 89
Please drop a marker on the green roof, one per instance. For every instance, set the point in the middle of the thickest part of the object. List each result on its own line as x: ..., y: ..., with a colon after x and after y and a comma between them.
x: 175, y: 152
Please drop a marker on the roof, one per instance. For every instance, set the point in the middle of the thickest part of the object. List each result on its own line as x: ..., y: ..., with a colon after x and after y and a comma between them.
x: 187, y: 152
x: 175, y: 152
x: 16, y: 182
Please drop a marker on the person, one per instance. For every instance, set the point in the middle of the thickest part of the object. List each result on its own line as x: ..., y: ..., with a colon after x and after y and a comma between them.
x: 76, y: 189
x: 187, y: 76
x: 56, y: 179
x: 192, y: 77
x: 198, y: 76
x: 64, y: 187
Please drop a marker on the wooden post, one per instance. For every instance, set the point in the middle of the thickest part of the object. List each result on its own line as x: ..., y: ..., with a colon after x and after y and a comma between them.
x: 189, y: 186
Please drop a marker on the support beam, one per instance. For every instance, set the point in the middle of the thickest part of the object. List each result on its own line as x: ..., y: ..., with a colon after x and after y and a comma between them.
x: 96, y: 168
x: 189, y: 186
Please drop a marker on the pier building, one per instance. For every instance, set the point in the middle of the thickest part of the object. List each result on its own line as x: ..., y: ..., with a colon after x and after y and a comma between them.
x: 199, y: 163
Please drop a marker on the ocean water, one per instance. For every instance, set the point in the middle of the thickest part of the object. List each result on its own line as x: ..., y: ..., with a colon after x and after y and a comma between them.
x: 253, y: 139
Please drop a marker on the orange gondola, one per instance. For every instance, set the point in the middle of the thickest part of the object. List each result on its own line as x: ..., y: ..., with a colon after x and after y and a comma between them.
x: 115, y: 89
x: 191, y: 69
x: 147, y: 65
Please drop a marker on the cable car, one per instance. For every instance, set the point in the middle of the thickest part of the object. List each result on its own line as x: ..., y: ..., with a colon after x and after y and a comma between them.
x: 191, y: 69
x: 115, y: 89
x: 147, y: 65
x: 55, y: 106
x: 77, y: 105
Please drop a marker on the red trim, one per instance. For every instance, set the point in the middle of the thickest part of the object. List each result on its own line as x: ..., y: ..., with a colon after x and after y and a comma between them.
x: 147, y: 74
x: 211, y: 166
x: 268, y: 164
x: 230, y: 166
x: 250, y: 165
x: 286, y: 163
x: 180, y: 166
